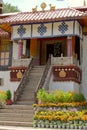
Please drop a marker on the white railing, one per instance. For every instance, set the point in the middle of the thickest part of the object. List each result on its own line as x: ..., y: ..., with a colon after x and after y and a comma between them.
x: 64, y: 60
x: 21, y: 62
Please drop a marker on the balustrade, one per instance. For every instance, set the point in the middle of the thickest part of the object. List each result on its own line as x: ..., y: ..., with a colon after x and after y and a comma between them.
x: 64, y: 60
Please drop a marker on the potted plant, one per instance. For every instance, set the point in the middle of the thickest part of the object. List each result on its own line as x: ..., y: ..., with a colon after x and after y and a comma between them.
x: 55, y: 124
x: 51, y: 124
x: 8, y: 101
x: 47, y: 124
x: 42, y: 123
x: 35, y: 123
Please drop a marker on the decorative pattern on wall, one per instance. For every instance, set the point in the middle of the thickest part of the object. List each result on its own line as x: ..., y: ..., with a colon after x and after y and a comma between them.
x: 21, y: 31
x: 67, y: 73
x: 63, y: 27
x: 42, y: 29
x: 51, y: 29
x: 16, y: 72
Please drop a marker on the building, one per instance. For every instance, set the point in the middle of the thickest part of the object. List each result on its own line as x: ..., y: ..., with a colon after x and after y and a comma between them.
x: 58, y: 33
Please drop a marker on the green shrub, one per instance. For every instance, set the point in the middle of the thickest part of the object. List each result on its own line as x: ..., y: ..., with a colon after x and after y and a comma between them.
x: 3, y: 97
x: 59, y: 96
x: 42, y: 95
x: 8, y: 93
x: 78, y: 97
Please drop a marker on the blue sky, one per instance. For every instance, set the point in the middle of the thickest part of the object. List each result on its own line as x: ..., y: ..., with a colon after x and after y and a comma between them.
x: 27, y: 5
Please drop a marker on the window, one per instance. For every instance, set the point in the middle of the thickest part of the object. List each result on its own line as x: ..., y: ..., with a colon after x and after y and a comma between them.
x: 1, y: 82
x: 4, y: 53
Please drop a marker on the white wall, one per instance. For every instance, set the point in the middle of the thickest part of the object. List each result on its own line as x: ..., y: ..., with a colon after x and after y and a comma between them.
x: 64, y: 86
x: 84, y: 67
x: 5, y: 75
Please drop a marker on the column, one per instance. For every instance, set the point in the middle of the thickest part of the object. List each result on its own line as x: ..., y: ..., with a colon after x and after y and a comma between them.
x: 69, y: 46
x: 20, y: 49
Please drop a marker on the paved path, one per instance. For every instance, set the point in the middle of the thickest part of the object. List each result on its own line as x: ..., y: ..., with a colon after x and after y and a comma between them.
x: 23, y: 128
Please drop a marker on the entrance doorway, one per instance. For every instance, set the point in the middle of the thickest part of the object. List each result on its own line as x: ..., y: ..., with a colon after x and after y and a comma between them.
x: 49, y: 50
x: 56, y: 49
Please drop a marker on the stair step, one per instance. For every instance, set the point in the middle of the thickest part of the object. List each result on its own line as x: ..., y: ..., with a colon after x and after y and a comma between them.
x: 15, y: 123
x: 25, y: 102
x: 18, y: 115
x: 27, y: 92
x: 20, y: 107
x: 28, y: 98
x: 30, y: 89
x: 21, y: 113
x: 29, y: 119
x: 16, y: 111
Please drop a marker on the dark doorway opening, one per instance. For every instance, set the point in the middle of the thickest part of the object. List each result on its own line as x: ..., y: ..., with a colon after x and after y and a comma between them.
x: 49, y: 50
x: 54, y: 49
x: 28, y: 48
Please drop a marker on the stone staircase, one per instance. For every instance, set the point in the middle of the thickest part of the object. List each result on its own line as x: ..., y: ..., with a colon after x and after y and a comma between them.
x: 21, y: 113
x: 27, y: 97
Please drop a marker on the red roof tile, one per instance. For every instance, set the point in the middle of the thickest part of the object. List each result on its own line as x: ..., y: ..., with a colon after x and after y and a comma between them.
x: 41, y: 16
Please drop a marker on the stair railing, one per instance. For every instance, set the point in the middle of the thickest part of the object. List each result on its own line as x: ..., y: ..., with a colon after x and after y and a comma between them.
x: 25, y: 78
x: 42, y: 79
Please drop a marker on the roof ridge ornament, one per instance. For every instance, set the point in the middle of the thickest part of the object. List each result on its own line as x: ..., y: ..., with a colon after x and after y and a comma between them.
x: 43, y: 6
x: 84, y: 4
x: 52, y: 7
x: 34, y: 9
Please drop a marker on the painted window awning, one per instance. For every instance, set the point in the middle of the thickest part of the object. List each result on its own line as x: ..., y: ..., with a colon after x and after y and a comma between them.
x: 51, y: 29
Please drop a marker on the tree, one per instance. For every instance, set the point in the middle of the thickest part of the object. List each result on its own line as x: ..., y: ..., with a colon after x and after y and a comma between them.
x: 7, y: 8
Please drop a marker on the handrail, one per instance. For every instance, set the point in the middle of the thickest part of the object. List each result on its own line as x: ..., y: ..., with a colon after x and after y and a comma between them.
x: 42, y: 80
x: 18, y: 92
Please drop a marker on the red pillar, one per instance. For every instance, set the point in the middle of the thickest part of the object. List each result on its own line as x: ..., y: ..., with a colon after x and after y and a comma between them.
x: 20, y: 49
x: 69, y: 46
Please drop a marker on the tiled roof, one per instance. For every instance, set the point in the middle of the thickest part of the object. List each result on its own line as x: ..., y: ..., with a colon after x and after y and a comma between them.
x: 4, y: 33
x: 41, y: 16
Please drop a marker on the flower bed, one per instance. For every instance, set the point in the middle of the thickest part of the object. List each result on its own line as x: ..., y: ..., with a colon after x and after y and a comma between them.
x: 76, y: 105
x: 60, y: 118
x: 66, y: 115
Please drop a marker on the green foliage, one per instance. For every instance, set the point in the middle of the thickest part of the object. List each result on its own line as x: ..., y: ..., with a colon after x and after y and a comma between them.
x: 3, y: 97
x: 8, y: 93
x: 42, y: 95
x: 78, y: 97
x: 8, y: 8
x: 59, y: 96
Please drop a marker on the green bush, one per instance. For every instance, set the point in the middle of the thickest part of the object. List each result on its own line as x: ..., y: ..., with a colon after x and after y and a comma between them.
x: 42, y: 95
x: 59, y: 96
x: 8, y: 93
x: 3, y: 97
x: 78, y: 97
